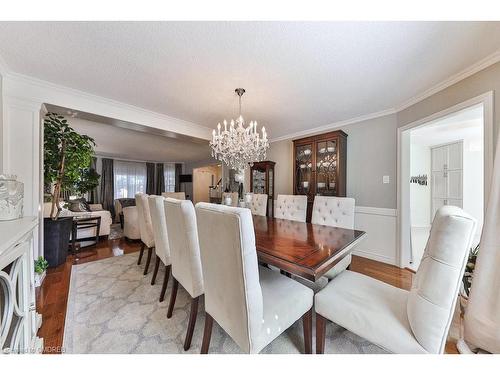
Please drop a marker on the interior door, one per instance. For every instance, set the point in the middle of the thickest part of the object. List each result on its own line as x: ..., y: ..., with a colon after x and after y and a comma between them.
x: 447, y: 176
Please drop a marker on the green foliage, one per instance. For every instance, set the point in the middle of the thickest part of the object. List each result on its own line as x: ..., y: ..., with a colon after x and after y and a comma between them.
x: 41, y: 265
x: 67, y: 157
x: 469, y: 269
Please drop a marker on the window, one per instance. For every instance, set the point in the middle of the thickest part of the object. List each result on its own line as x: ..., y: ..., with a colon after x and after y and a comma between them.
x: 169, y: 174
x: 130, y: 178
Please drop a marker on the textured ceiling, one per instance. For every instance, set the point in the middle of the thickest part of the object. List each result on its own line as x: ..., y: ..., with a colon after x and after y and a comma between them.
x: 297, y: 75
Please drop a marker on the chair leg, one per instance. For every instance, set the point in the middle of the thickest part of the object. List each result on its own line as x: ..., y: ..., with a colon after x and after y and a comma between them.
x: 165, y: 283
x: 287, y: 274
x: 307, y: 323
x: 173, y: 295
x: 155, y: 272
x: 207, y: 333
x: 141, y: 253
x: 192, y: 322
x: 320, y: 334
x: 148, y: 260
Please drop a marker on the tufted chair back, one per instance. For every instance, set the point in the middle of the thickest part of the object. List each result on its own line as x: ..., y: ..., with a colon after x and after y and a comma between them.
x: 291, y: 207
x: 145, y: 225
x: 182, y: 233
x: 435, y: 287
x: 176, y: 195
x: 233, y: 295
x: 333, y: 211
x: 157, y: 210
x: 233, y: 196
x: 258, y: 204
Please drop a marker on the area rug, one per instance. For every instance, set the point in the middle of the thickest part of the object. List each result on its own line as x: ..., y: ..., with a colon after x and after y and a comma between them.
x: 115, y: 232
x: 113, y: 308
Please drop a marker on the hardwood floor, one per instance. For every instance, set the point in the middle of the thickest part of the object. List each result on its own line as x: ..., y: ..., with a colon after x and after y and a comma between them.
x: 52, y: 296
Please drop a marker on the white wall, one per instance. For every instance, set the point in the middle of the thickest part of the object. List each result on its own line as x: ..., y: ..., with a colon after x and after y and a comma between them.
x: 473, y: 187
x: 426, y: 137
x: 420, y: 201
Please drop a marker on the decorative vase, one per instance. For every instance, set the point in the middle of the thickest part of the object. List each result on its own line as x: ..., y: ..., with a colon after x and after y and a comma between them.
x: 11, y: 198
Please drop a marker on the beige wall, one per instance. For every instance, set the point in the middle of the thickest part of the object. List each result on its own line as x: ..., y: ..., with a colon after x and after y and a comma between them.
x: 371, y: 154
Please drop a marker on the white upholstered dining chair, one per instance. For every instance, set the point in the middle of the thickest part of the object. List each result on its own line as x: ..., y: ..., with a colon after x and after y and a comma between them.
x: 233, y: 196
x: 258, y: 204
x: 185, y: 255
x: 395, y: 319
x: 145, y: 228
x: 176, y: 195
x: 291, y: 207
x: 253, y: 309
x: 334, y: 212
x: 162, y: 249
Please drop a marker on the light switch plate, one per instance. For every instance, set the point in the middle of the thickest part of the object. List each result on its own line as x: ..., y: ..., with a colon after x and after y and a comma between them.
x: 386, y: 179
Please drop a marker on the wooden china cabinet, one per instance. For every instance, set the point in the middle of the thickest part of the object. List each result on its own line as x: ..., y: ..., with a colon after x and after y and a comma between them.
x: 319, y: 166
x: 262, y: 182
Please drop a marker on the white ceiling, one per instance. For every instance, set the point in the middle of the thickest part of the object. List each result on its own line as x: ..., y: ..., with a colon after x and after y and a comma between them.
x: 466, y: 124
x: 138, y: 145
x: 298, y: 75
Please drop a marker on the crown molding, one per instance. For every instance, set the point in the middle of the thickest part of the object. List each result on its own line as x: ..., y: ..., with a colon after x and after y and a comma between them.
x: 471, y: 70
x: 34, y: 95
x: 334, y: 125
x: 467, y: 72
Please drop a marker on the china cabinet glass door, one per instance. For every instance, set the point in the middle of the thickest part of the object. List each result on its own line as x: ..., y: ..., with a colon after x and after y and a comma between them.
x: 304, y: 170
x: 326, y: 167
x: 259, y: 181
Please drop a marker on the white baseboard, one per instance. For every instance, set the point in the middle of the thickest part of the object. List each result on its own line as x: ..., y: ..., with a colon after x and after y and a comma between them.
x: 374, y: 256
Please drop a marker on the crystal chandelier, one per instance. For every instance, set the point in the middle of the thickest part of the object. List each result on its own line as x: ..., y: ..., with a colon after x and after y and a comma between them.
x: 239, y: 146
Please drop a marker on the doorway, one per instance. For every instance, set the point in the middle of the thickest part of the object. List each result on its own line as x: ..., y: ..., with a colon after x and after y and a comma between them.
x: 207, y: 183
x: 444, y: 159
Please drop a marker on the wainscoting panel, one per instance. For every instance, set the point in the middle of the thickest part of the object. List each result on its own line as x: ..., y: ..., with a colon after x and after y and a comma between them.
x: 380, y: 226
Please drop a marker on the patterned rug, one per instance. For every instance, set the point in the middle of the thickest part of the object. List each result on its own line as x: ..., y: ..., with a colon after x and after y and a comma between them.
x: 113, y: 308
x: 115, y: 231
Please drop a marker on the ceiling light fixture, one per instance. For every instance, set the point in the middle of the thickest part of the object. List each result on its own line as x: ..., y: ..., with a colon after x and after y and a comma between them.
x: 239, y: 146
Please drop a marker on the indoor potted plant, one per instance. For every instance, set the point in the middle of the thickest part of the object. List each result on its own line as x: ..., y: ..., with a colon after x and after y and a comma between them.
x: 467, y: 278
x: 67, y: 160
x: 41, y: 266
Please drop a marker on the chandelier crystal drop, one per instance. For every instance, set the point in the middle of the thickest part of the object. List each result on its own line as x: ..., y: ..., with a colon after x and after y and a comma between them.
x: 237, y: 145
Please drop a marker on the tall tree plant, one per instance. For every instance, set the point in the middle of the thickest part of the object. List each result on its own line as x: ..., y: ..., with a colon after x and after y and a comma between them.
x: 67, y: 159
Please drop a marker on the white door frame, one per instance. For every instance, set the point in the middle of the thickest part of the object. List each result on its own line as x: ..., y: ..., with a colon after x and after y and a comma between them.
x: 403, y: 166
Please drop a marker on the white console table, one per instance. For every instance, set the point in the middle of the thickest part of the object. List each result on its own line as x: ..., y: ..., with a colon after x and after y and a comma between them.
x: 19, y: 321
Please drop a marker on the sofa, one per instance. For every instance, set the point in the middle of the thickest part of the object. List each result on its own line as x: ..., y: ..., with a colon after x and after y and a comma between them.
x: 131, y: 229
x: 120, y: 204
x: 95, y: 210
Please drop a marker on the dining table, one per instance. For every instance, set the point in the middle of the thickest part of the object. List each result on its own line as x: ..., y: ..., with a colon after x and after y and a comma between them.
x: 302, y: 249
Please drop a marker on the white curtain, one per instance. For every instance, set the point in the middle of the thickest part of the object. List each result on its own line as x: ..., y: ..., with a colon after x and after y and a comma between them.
x: 130, y: 178
x: 482, y: 315
x: 169, y: 173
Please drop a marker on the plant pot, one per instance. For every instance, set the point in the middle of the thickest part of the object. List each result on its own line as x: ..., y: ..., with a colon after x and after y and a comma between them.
x: 56, y: 239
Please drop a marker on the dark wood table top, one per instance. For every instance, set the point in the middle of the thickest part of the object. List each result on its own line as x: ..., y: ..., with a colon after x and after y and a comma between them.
x: 303, y: 249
